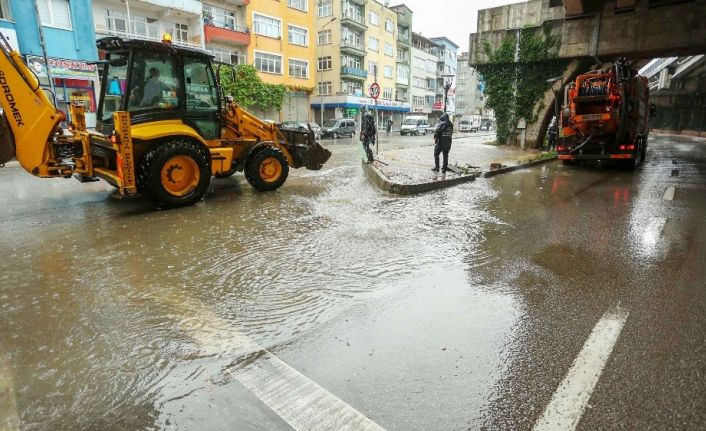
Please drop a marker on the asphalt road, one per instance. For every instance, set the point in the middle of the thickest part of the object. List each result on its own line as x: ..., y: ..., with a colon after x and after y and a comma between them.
x: 554, y: 297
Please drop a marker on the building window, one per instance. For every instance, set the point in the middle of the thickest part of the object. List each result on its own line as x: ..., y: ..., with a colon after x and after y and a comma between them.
x: 372, y: 68
x: 225, y: 55
x: 352, y: 88
x: 389, y: 50
x: 324, y: 88
x: 373, y: 44
x: 374, y: 18
x: 298, y: 68
x: 219, y: 17
x: 389, y: 26
x: 5, y: 11
x: 387, y: 93
x: 402, y: 73
x: 324, y: 63
x: 180, y: 33
x: 145, y: 27
x: 389, y: 73
x: 115, y: 22
x: 348, y: 61
x: 298, y: 35
x: 324, y: 37
x: 55, y: 13
x: 325, y: 8
x: 268, y: 63
x: 298, y: 4
x: 266, y: 26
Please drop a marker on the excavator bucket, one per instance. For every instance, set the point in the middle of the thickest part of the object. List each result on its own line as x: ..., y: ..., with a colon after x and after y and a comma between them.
x: 7, y: 141
x: 306, y: 152
x: 316, y: 156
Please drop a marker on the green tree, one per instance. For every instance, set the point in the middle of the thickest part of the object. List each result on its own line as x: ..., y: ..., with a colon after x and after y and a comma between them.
x: 243, y: 83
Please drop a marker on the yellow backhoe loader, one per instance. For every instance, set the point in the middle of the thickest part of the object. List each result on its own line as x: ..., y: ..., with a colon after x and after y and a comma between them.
x: 164, y: 127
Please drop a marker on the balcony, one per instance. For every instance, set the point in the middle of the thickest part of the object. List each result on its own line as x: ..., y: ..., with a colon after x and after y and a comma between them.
x: 360, y: 2
x: 353, y: 48
x: 190, y: 6
x: 234, y: 35
x: 404, y: 39
x: 237, y: 2
x: 353, y: 73
x: 354, y: 20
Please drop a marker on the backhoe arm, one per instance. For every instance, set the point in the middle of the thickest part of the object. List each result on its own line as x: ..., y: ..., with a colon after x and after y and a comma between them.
x: 29, y: 117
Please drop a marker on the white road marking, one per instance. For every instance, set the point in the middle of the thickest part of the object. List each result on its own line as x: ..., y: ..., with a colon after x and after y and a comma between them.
x: 669, y: 193
x: 298, y: 400
x: 9, y: 418
x: 570, y: 399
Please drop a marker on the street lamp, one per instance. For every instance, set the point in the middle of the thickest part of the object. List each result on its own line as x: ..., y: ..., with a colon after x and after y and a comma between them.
x: 321, y: 74
x: 448, y: 80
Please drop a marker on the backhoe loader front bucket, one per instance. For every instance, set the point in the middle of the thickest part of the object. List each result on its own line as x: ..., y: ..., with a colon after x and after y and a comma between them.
x: 316, y: 156
x: 306, y: 152
x: 7, y: 141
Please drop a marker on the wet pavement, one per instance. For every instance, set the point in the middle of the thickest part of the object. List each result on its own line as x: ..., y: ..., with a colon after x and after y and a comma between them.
x: 329, y: 303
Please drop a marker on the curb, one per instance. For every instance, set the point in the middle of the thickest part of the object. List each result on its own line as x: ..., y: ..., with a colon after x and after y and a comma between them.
x: 495, y: 172
x: 383, y: 183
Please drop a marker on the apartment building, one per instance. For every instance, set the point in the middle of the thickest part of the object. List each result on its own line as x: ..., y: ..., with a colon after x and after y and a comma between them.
x: 225, y: 30
x: 424, y: 59
x: 356, y: 46
x: 446, y: 64
x: 150, y: 20
x: 70, y: 47
x: 282, y: 48
x: 404, y: 57
x: 470, y: 99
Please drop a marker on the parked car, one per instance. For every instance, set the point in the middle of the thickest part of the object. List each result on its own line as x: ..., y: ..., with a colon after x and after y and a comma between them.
x: 295, y: 125
x: 338, y: 127
x: 415, y: 125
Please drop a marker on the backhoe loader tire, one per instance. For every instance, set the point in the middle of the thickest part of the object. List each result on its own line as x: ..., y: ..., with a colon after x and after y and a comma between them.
x: 175, y: 174
x: 267, y: 169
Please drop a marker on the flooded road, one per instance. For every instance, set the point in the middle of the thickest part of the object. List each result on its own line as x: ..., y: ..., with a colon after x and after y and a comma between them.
x: 329, y: 303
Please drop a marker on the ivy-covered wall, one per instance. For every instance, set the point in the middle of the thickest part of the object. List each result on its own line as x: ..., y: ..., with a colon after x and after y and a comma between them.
x: 513, y: 88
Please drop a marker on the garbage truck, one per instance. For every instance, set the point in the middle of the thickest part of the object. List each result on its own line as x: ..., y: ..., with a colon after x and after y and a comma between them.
x: 605, y: 116
x: 164, y: 126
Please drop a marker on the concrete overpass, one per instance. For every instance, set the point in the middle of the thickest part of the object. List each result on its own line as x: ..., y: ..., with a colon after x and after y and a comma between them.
x: 598, y: 30
x: 638, y: 29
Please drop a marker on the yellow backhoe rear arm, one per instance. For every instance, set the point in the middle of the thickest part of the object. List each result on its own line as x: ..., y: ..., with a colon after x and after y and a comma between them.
x: 243, y: 126
x: 32, y: 117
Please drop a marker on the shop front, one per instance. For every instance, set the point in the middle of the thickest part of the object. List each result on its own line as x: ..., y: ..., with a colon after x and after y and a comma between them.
x: 344, y: 106
x: 74, y: 82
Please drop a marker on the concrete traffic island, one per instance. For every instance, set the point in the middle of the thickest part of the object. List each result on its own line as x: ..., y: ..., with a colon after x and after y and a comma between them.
x: 407, y: 171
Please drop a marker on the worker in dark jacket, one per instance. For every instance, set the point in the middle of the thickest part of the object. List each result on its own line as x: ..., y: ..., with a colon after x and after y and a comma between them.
x: 442, y: 142
x: 367, y: 133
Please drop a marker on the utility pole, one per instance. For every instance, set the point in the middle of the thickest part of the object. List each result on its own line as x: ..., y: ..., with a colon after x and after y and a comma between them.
x: 44, y: 51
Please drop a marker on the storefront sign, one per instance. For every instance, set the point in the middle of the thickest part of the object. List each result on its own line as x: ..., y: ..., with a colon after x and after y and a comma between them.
x: 69, y: 69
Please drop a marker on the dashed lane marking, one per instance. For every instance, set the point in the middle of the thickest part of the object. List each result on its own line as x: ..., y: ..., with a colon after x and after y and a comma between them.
x: 9, y: 418
x: 669, y: 193
x: 298, y: 400
x: 569, y: 401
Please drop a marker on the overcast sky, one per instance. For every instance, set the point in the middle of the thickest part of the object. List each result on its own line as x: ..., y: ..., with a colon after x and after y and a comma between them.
x: 455, y: 19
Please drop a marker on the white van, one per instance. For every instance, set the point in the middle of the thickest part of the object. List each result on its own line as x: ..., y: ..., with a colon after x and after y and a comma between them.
x: 415, y: 125
x: 470, y: 123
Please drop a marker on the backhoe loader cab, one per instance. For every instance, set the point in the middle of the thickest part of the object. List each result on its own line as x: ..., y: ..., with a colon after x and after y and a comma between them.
x: 164, y: 127
x: 157, y: 81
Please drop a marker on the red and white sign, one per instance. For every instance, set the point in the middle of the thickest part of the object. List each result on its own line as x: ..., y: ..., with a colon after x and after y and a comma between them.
x: 374, y: 90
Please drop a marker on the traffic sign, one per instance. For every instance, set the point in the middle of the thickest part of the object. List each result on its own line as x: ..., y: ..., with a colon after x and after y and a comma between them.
x: 374, y: 90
